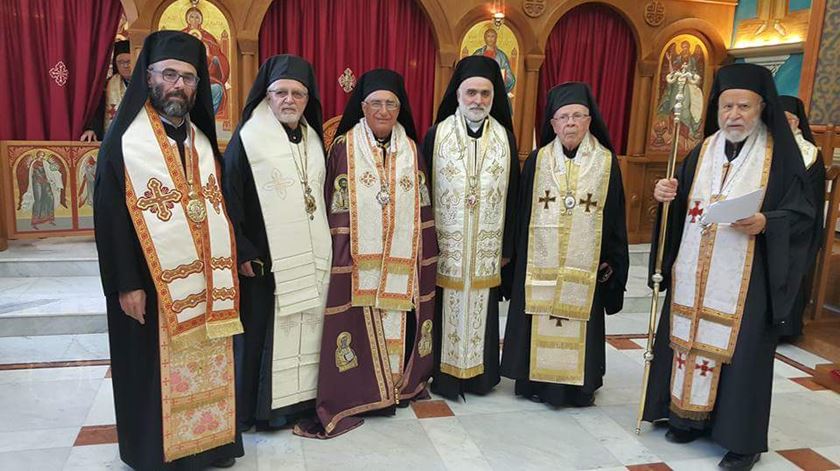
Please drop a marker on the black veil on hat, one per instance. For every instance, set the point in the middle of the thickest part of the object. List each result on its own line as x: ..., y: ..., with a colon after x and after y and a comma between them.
x: 159, y: 46
x: 286, y: 66
x: 120, y: 47
x: 758, y: 79
x: 754, y: 78
x: 477, y: 66
x: 369, y: 82
x: 794, y: 105
x: 574, y: 93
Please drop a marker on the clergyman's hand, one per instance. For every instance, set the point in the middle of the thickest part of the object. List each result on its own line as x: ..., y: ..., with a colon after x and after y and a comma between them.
x: 752, y: 225
x: 133, y: 304
x: 88, y: 136
x: 665, y: 190
x: 505, y: 261
x: 246, y: 270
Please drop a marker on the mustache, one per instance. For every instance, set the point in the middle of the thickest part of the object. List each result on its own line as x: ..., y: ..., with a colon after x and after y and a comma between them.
x: 176, y: 93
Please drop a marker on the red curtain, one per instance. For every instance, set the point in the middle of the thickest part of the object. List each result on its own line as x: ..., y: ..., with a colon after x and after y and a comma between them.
x: 593, y: 44
x: 360, y: 35
x: 54, y: 57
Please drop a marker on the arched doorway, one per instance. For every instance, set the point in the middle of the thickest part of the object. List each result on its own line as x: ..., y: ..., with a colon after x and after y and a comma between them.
x: 337, y: 35
x: 593, y: 43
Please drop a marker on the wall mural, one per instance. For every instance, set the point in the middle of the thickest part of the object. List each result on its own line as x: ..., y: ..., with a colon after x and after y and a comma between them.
x: 206, y: 22
x: 484, y: 39
x: 689, y: 51
x: 49, y: 186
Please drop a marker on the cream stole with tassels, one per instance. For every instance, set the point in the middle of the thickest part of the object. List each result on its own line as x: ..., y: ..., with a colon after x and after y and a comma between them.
x: 300, y: 248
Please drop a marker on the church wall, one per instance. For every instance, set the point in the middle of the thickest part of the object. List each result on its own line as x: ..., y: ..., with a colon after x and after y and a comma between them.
x: 653, y: 22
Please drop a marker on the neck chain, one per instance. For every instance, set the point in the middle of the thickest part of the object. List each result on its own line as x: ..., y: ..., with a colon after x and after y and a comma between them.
x: 473, y: 192
x: 569, y: 200
x: 303, y: 174
x: 196, y: 210
x: 383, y: 196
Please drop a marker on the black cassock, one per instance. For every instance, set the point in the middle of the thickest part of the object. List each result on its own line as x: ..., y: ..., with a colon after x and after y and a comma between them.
x: 816, y: 182
x: 444, y: 384
x: 254, y: 348
x: 741, y: 414
x: 135, y: 352
x: 608, y: 297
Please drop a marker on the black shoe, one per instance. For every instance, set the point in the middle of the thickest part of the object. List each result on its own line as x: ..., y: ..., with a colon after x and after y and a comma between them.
x: 535, y: 398
x: 223, y: 463
x: 676, y: 435
x: 738, y: 461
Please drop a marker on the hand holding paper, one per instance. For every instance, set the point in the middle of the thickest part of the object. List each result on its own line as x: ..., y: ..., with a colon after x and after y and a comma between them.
x: 731, y: 210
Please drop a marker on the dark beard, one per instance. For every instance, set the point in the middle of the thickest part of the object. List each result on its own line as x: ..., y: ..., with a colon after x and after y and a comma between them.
x: 167, y: 106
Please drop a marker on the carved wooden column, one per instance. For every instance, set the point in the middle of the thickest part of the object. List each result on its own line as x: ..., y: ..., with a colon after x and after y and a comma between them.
x: 636, y: 165
x: 250, y: 65
x: 524, y: 137
x: 447, y: 57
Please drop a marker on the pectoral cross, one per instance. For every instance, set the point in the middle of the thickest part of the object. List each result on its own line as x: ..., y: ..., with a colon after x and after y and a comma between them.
x: 547, y: 199
x: 588, y: 202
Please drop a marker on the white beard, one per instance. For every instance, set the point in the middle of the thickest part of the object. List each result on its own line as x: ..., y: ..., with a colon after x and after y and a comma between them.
x: 737, y: 136
x: 474, y: 115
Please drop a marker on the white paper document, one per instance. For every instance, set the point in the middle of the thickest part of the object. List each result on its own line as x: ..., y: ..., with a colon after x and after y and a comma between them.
x: 731, y: 210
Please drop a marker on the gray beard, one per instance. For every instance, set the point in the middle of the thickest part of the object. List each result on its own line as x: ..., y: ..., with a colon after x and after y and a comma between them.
x: 170, y: 107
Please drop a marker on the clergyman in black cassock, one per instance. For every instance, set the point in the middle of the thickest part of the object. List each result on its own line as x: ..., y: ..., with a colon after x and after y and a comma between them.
x: 470, y: 152
x: 815, y: 173
x: 166, y: 260
x: 730, y: 287
x: 274, y: 187
x: 572, y: 258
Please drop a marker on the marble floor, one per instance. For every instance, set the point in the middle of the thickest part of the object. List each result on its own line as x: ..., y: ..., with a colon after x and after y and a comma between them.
x: 56, y: 413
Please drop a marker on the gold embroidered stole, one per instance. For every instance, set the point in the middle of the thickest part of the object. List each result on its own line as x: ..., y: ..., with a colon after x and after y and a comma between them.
x: 384, y: 239
x: 471, y: 179
x: 562, y: 270
x: 711, y: 274
x: 193, y: 267
x: 300, y: 248
x: 114, y: 91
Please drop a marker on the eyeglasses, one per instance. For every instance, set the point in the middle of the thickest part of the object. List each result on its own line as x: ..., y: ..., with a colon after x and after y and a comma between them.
x: 574, y: 117
x: 742, y: 107
x: 124, y: 63
x: 172, y: 76
x: 378, y: 105
x: 283, y: 94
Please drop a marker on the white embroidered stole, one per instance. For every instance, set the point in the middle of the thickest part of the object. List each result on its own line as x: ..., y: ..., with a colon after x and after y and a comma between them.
x: 469, y: 221
x: 300, y: 248
x: 564, y: 248
x: 711, y: 274
x: 193, y: 267
x: 114, y: 92
x: 384, y: 239
x: 470, y: 236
